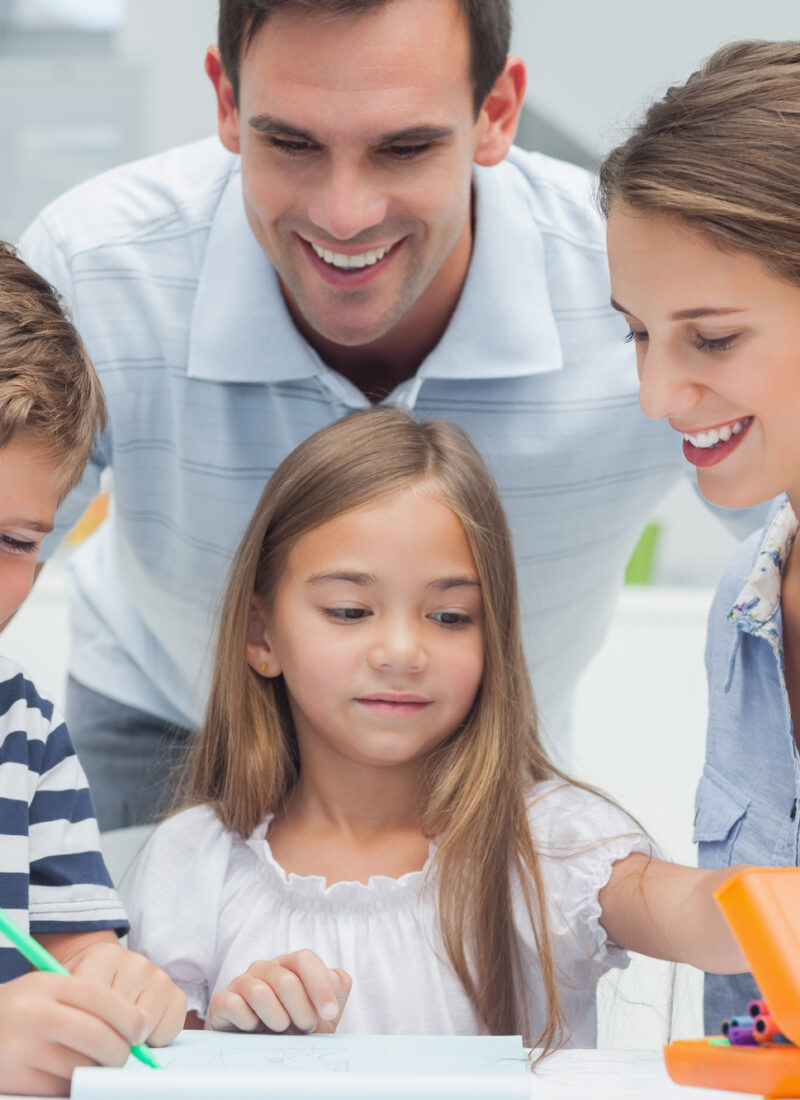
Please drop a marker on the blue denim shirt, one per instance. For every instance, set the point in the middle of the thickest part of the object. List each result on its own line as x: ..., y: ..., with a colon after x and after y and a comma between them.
x: 747, y: 798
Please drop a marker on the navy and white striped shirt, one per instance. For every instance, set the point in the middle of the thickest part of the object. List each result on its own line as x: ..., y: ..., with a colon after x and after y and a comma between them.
x: 52, y: 875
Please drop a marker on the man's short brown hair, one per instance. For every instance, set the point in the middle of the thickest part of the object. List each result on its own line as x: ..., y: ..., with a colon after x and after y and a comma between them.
x: 49, y: 392
x: 489, y: 23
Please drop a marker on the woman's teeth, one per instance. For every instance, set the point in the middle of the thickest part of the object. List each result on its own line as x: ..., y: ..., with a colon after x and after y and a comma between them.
x: 717, y: 435
x: 338, y: 259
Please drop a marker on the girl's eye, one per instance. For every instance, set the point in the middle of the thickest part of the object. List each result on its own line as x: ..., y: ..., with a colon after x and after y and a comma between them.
x: 346, y: 614
x: 636, y: 336
x: 18, y: 546
x: 720, y: 343
x: 450, y: 618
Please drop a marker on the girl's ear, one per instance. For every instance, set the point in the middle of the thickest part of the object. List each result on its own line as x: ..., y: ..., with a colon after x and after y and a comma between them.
x: 259, y: 652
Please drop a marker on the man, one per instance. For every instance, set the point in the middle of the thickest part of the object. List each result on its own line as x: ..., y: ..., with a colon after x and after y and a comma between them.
x: 361, y: 236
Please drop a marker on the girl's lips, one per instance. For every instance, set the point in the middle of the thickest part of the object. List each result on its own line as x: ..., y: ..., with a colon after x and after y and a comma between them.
x: 353, y: 277
x: 399, y: 707
x: 710, y: 456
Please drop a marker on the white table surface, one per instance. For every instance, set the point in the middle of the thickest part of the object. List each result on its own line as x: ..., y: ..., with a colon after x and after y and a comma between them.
x: 601, y: 1074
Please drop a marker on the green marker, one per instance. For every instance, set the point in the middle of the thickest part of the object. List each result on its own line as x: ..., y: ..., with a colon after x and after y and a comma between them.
x: 40, y: 958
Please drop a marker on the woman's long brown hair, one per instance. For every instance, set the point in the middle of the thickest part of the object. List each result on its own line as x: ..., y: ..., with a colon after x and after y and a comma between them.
x: 722, y: 152
x: 474, y: 799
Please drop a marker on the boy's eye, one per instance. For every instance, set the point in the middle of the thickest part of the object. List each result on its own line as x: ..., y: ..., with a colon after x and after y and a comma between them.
x: 18, y: 546
x: 346, y: 614
x: 450, y: 618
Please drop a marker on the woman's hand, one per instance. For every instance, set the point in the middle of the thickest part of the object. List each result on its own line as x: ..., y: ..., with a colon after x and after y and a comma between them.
x: 50, y: 1024
x: 292, y: 991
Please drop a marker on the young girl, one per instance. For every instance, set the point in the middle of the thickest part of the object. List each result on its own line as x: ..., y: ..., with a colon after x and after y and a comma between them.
x: 703, y: 205
x: 370, y: 799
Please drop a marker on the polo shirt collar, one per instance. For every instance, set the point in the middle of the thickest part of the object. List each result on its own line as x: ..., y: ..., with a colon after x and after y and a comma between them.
x: 503, y: 325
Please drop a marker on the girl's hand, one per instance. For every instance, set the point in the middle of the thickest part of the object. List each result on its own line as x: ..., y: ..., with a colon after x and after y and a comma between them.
x: 292, y: 991
x: 50, y: 1024
x: 138, y: 981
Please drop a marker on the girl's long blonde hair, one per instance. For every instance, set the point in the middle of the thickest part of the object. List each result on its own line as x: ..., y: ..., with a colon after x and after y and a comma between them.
x: 474, y: 803
x: 722, y: 152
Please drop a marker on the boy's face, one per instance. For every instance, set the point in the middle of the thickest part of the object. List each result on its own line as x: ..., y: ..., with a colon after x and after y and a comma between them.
x: 29, y: 496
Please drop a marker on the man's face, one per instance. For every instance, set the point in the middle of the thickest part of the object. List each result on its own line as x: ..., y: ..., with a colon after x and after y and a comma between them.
x: 357, y: 137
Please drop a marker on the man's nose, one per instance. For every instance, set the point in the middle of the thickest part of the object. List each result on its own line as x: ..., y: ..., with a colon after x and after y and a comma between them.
x: 346, y: 202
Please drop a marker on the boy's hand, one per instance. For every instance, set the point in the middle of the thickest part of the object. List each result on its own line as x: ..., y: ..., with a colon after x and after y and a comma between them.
x: 292, y: 991
x: 139, y: 982
x: 50, y: 1024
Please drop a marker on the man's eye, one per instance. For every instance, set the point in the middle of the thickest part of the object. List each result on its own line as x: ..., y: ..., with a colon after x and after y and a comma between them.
x: 294, y: 147
x: 347, y: 614
x: 407, y: 152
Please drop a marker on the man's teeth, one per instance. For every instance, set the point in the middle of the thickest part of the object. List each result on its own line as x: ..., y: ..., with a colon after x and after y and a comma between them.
x: 338, y: 259
x: 717, y: 435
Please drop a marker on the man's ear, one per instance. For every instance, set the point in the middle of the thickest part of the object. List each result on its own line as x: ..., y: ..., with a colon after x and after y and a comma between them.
x: 259, y: 651
x: 227, y: 111
x: 499, y: 115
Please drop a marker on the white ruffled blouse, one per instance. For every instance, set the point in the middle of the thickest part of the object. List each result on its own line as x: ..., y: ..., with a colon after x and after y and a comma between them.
x: 207, y: 904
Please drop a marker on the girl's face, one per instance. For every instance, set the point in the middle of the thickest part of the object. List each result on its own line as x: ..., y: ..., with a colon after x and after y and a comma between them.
x: 377, y: 629
x: 718, y: 353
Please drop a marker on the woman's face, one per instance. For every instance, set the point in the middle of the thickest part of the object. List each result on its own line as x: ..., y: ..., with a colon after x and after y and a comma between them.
x: 718, y: 353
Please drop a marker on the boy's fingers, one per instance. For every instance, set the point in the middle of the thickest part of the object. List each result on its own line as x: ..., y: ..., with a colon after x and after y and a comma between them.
x: 107, y: 1007
x: 167, y: 1011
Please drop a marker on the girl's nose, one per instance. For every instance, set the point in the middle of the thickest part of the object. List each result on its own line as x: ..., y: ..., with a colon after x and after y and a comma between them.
x: 399, y: 650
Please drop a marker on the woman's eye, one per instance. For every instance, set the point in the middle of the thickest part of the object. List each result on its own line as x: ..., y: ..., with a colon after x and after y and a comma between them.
x: 18, y: 546
x: 718, y: 343
x: 450, y: 618
x: 636, y: 336
x: 347, y: 614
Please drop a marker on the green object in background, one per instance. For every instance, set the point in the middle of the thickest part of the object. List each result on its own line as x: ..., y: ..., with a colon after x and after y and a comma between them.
x: 639, y: 569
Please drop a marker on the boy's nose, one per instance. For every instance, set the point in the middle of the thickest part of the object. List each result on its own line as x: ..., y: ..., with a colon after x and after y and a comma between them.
x: 346, y: 203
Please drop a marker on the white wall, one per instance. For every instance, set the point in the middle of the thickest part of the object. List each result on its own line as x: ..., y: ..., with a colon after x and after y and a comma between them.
x: 592, y: 63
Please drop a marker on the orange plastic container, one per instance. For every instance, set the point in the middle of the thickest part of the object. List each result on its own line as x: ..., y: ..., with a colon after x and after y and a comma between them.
x: 762, y: 906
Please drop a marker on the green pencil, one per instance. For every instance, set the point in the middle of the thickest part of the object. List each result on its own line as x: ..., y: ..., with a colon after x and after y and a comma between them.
x: 40, y: 958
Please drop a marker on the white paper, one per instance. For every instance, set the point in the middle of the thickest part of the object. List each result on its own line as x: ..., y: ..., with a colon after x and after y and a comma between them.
x: 205, y: 1064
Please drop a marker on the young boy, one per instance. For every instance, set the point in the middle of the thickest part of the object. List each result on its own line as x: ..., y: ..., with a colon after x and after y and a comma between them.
x: 52, y: 877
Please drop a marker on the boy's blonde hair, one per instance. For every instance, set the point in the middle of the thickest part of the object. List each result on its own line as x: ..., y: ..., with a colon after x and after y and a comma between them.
x: 474, y: 798
x: 49, y: 392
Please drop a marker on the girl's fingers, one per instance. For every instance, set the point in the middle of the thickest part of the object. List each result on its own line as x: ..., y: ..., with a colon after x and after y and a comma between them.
x: 248, y: 1007
x: 342, y: 983
x: 319, y: 985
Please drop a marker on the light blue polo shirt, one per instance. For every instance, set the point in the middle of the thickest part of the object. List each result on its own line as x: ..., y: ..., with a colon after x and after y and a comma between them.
x: 210, y: 385
x: 747, y: 799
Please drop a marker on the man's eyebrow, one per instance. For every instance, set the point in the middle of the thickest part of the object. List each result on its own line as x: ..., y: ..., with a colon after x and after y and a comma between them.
x: 688, y: 314
x: 343, y: 575
x: 276, y: 127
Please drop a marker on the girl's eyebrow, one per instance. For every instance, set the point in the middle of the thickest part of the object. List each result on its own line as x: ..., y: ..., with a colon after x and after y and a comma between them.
x: 455, y: 582
x: 353, y: 578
